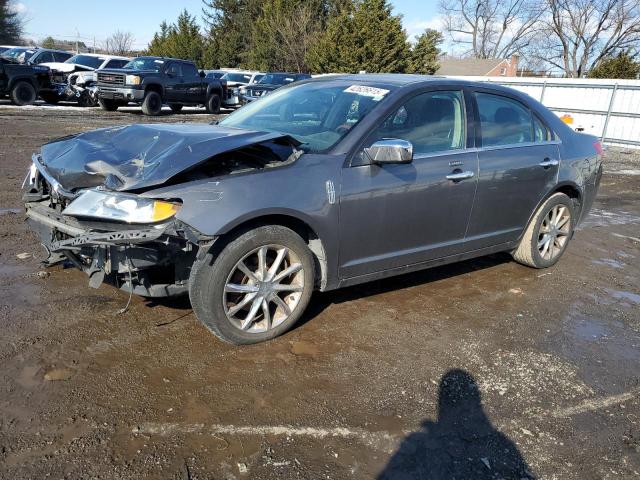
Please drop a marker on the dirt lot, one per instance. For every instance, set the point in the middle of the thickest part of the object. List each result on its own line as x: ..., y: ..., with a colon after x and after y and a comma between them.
x: 475, y: 370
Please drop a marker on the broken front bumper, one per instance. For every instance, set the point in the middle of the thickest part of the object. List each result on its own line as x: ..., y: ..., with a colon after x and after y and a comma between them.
x: 153, y: 261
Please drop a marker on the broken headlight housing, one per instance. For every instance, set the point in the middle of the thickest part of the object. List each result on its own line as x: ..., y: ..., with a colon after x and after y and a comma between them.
x: 120, y: 207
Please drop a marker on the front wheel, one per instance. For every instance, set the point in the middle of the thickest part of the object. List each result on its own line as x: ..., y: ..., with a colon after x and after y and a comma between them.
x: 23, y: 93
x: 256, y: 288
x: 152, y: 104
x: 548, y: 234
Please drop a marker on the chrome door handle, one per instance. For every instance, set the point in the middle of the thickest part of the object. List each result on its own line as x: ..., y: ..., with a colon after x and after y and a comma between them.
x: 547, y: 162
x: 460, y: 176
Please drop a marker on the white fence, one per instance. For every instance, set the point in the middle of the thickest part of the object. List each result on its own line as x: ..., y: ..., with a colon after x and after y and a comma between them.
x: 609, y: 109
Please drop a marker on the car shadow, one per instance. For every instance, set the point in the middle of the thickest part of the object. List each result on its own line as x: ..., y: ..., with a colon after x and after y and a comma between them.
x: 461, y: 444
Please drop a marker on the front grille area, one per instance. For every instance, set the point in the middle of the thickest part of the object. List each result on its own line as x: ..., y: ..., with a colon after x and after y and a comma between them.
x: 111, y: 78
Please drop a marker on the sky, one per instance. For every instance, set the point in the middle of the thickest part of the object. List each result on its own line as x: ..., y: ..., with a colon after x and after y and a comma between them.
x: 68, y: 20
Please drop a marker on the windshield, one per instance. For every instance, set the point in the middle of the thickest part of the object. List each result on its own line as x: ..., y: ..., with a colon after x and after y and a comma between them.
x: 19, y: 54
x: 145, y: 63
x: 237, y: 77
x: 318, y: 114
x: 277, y: 79
x: 86, y: 60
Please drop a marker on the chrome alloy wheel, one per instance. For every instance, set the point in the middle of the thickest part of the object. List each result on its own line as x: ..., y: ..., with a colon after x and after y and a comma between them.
x: 263, y: 288
x: 554, y: 232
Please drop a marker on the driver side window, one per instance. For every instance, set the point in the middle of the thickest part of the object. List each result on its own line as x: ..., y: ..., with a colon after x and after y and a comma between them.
x: 432, y: 122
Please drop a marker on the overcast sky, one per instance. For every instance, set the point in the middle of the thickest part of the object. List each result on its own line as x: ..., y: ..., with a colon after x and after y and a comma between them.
x: 68, y: 20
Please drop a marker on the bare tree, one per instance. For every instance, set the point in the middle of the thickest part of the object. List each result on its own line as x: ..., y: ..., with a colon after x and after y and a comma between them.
x: 119, y: 43
x: 578, y: 34
x: 491, y: 28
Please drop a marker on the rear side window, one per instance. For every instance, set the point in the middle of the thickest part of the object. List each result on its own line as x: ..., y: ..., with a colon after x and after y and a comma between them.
x: 61, y: 56
x: 44, y: 57
x: 503, y: 121
x: 432, y: 122
x: 540, y: 131
x: 189, y: 70
x: 116, y: 63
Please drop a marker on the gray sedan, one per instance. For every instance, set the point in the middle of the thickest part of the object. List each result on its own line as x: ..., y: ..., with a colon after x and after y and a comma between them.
x: 325, y: 183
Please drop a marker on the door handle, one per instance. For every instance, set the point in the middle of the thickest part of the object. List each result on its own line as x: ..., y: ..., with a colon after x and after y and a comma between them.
x: 456, y: 177
x: 547, y: 162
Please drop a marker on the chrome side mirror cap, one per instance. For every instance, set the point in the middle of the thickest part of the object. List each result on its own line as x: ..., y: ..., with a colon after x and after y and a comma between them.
x: 390, y: 150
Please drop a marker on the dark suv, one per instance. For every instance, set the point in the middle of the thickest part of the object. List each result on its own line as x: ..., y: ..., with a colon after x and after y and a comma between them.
x: 154, y: 81
x: 22, y: 82
x: 269, y: 83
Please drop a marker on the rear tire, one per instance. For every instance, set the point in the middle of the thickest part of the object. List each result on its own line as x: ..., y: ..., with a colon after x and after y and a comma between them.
x: 213, y: 104
x: 152, y: 104
x: 216, y: 277
x: 548, y: 234
x: 23, y: 93
x: 108, y: 105
x: 175, y: 107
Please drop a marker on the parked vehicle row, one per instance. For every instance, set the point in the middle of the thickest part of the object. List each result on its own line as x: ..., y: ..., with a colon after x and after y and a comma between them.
x: 151, y: 82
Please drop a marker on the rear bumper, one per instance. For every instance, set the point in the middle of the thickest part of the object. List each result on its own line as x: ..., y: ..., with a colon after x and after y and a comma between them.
x: 120, y: 93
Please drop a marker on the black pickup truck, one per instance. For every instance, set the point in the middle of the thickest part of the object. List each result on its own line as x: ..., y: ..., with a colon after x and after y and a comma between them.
x: 155, y: 81
x: 22, y: 83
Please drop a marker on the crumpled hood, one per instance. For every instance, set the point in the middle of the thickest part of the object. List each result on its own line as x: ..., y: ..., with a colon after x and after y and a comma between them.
x: 135, y: 157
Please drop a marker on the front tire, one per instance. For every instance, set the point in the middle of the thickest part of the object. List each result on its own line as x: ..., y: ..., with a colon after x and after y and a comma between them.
x: 108, y: 105
x: 256, y: 288
x: 548, y: 234
x: 152, y: 104
x: 23, y: 93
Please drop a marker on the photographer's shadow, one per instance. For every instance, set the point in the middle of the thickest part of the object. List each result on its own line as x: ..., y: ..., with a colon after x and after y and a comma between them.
x: 461, y: 444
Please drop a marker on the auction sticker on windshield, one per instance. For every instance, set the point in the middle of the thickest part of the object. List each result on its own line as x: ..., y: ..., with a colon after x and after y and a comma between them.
x: 376, y: 93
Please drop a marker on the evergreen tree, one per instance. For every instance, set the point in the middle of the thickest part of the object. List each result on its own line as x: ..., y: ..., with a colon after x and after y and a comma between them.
x: 621, y: 66
x: 364, y: 36
x: 425, y: 53
x: 48, y: 42
x: 230, y: 24
x: 10, y: 24
x: 179, y: 40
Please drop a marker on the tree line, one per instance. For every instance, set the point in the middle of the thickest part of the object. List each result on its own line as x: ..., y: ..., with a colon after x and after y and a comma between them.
x: 299, y: 36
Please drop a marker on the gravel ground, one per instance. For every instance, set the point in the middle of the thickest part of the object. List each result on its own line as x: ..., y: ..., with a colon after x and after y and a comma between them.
x: 483, y: 369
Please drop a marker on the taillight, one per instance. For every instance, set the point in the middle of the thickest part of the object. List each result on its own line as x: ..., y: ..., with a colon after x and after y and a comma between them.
x: 598, y: 146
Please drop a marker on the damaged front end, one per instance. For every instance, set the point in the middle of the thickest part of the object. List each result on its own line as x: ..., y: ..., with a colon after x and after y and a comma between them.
x: 90, y: 198
x: 150, y: 260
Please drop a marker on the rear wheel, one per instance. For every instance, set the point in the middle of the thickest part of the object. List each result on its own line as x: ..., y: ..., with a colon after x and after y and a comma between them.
x: 548, y: 234
x: 175, y: 107
x: 256, y: 288
x: 23, y: 93
x: 213, y: 103
x: 108, y: 105
x: 152, y: 103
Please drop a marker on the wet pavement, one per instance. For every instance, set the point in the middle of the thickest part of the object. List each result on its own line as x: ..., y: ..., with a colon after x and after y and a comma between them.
x: 483, y: 369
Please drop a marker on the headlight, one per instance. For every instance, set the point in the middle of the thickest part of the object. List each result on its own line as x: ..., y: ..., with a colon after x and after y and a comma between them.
x: 132, y: 80
x: 120, y: 207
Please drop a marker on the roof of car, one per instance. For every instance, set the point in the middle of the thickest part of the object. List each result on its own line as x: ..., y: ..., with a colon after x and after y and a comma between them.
x: 104, y: 55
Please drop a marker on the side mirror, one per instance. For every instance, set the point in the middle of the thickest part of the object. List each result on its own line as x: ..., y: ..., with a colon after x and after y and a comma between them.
x: 390, y: 150
x: 202, y: 74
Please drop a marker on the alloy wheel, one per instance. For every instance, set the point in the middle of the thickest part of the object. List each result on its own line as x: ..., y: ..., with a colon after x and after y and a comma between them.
x: 263, y: 288
x: 554, y: 232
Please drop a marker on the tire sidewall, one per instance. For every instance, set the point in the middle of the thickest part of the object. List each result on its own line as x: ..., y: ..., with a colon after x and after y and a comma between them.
x: 207, y: 288
x: 22, y: 87
x: 108, y: 105
x: 214, y: 103
x: 152, y: 104
x: 557, y: 199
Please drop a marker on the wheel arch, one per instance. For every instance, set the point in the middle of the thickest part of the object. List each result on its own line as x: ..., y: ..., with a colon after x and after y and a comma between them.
x: 301, y: 226
x: 154, y: 87
x: 24, y: 79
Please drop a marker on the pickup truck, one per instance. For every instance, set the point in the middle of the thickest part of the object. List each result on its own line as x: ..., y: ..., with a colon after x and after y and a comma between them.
x: 155, y: 81
x: 22, y: 83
